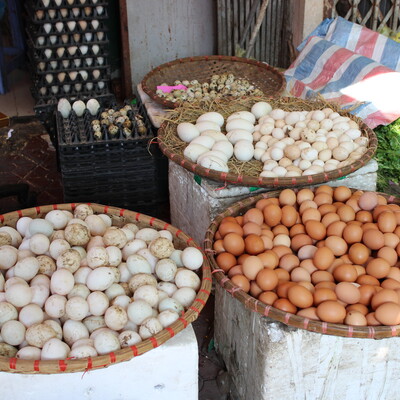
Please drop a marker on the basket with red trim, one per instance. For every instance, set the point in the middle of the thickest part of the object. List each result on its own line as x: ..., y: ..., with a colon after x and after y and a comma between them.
x: 247, y: 173
x: 264, y: 77
x: 288, y: 318
x: 119, y: 217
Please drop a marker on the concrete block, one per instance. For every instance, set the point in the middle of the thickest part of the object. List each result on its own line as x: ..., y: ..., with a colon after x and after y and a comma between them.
x: 167, y: 372
x: 268, y: 360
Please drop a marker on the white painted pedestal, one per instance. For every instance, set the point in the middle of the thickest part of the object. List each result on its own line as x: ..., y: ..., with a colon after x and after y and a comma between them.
x: 167, y: 372
x: 269, y: 360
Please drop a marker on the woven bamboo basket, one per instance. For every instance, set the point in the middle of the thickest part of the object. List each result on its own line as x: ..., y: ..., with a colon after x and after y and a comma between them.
x: 264, y: 77
x: 119, y: 217
x: 173, y: 149
x: 239, y: 208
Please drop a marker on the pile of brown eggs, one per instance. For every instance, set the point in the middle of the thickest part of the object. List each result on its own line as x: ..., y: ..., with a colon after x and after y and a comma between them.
x: 330, y: 255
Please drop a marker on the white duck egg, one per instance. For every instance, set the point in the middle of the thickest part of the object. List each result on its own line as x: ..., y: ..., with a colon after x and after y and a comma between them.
x: 217, y: 136
x: 206, y: 141
x: 207, y: 125
x: 187, y: 131
x: 215, y: 117
x: 241, y: 124
x: 239, y: 134
x: 243, y: 150
x: 248, y: 116
x: 260, y: 109
x: 194, y: 151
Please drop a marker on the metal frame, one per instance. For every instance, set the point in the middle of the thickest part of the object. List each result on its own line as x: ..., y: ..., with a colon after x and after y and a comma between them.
x: 374, y: 14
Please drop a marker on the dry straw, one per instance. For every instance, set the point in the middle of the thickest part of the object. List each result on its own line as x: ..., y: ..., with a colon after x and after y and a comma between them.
x: 247, y: 173
x: 264, y: 77
x: 239, y: 208
x: 119, y: 217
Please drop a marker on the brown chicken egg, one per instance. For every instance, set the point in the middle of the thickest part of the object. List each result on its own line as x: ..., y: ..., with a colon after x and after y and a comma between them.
x: 280, y: 230
x: 310, y: 214
x: 315, y: 229
x: 361, y: 308
x: 287, y: 197
x: 341, y: 193
x: 337, y: 245
x: 347, y: 292
x: 283, y: 275
x: 272, y: 215
x: 384, y: 296
x: 251, y: 267
x: 262, y: 203
x: 336, y: 228
x: 234, y: 244
x: 345, y: 273
x: 280, y: 251
x: 331, y: 311
x: 255, y: 290
x: 387, y: 222
x: 269, y: 259
x: 308, y: 265
x: 267, y: 279
x: 242, y: 282
x: 235, y: 270
x: 323, y: 258
x: 306, y: 205
x: 250, y: 228
x: 378, y: 268
x: 367, y: 280
x: 346, y: 213
x: 389, y: 254
x: 304, y: 194
x: 329, y: 218
x: 285, y: 305
x: 268, y: 297
x: 226, y: 261
x: 352, y: 234
x: 321, y: 276
x: 310, y: 313
x: 283, y: 287
x: 368, y: 201
x: 359, y: 253
x: 218, y: 246
x: 254, y: 244
x: 355, y: 318
x: 300, y: 240
x: 289, y: 216
x: 298, y: 228
x: 289, y: 262
x: 300, y: 296
x: 322, y: 294
x: 391, y: 240
x: 306, y: 252
x: 364, y: 216
x: 230, y: 227
x: 388, y: 314
x: 300, y: 274
x: 253, y: 215
x: 371, y: 320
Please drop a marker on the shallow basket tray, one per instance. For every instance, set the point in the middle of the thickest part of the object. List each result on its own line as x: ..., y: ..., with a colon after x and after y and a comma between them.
x: 239, y: 208
x: 119, y: 217
x: 264, y: 77
x: 173, y: 147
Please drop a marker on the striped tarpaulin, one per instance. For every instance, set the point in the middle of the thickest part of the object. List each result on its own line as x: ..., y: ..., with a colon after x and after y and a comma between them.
x: 351, y: 65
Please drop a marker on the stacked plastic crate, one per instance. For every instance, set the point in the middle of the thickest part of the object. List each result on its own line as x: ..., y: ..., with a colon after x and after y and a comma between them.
x: 68, y: 52
x: 109, y: 156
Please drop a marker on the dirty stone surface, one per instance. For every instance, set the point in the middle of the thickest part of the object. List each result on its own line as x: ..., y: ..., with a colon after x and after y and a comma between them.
x: 27, y: 156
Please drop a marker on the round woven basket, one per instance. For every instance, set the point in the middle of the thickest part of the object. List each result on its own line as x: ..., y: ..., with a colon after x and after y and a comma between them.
x: 264, y: 77
x: 239, y: 208
x: 119, y: 218
x: 173, y: 147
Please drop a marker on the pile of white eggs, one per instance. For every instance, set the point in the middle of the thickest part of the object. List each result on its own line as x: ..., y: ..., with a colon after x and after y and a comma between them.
x: 74, y: 286
x: 288, y: 143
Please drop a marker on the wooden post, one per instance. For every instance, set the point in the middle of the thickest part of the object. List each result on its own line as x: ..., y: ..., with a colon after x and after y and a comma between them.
x: 126, y: 61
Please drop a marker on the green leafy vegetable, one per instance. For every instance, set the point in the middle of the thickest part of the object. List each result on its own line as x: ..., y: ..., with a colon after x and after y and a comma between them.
x: 388, y: 157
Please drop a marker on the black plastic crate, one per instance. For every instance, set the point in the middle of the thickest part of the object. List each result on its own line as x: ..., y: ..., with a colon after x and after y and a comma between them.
x: 39, y: 5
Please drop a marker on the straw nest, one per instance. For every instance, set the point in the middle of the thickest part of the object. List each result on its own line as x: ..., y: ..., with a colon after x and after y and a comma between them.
x: 189, y: 112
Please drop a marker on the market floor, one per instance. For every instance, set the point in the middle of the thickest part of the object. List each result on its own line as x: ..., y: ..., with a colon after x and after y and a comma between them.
x: 27, y: 156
